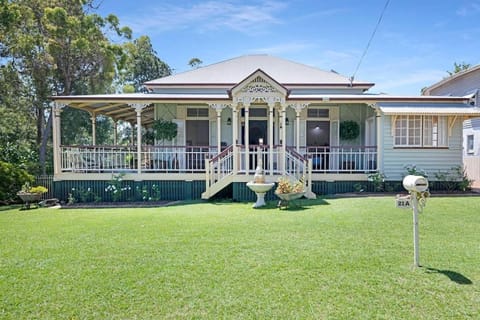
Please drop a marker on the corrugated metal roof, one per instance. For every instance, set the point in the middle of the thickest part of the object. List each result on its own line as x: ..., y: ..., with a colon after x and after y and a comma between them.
x: 235, y: 70
x: 149, y: 97
x: 377, y: 98
x: 429, y: 109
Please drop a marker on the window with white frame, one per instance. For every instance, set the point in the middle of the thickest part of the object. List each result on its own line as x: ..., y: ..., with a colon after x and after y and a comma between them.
x: 421, y: 131
x: 197, y: 112
x: 470, y: 144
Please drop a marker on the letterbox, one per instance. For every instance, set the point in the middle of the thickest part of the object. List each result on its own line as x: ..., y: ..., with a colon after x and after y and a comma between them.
x: 415, y: 183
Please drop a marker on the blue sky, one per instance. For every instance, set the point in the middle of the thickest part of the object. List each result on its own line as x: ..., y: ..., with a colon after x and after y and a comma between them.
x: 414, y: 46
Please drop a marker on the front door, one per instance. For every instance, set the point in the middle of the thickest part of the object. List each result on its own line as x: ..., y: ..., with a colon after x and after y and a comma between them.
x: 258, y: 130
x: 318, y: 143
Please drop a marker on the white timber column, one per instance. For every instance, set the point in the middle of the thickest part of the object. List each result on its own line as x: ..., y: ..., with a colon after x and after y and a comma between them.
x: 379, y: 121
x: 235, y: 137
x: 247, y: 137
x: 271, y: 105
x: 57, y: 138
x: 298, y: 107
x: 283, y: 136
x: 219, y: 108
x: 138, y: 109
x: 93, y: 118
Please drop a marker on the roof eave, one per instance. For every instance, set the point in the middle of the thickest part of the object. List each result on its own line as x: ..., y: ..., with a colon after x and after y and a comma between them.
x: 454, y: 76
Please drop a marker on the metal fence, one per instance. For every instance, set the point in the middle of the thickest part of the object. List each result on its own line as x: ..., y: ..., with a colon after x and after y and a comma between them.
x: 47, y: 182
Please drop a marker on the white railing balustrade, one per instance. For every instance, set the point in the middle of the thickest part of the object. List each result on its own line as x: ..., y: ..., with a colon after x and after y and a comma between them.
x: 191, y: 159
x: 220, y: 166
x: 162, y: 159
x: 295, y: 164
x: 255, y: 153
x: 98, y: 158
x: 342, y: 159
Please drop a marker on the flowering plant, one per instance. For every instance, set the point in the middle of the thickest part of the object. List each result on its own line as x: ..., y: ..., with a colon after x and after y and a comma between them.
x: 285, y: 185
x: 26, y: 188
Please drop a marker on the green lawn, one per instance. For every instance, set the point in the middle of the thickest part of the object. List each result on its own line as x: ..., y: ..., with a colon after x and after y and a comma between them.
x: 335, y: 258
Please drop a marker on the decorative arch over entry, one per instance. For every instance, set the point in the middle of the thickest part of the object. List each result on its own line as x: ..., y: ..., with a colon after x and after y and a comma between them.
x: 259, y: 87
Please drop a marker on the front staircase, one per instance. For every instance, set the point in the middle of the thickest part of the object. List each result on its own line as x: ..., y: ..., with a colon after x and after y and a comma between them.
x: 223, y: 169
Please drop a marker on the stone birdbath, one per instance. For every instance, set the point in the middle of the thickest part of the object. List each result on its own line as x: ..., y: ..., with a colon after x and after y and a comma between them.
x: 258, y: 185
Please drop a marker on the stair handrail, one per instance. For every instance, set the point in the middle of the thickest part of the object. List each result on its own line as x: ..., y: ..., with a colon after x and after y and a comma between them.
x: 219, y: 166
x: 299, y: 167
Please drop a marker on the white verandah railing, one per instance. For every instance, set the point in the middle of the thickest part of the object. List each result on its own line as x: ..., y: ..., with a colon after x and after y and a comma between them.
x: 342, y: 159
x: 163, y: 159
x: 191, y: 159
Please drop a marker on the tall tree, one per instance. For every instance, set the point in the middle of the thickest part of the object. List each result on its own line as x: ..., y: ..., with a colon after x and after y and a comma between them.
x: 16, y: 134
x: 58, y: 49
x: 195, y: 63
x: 141, y: 64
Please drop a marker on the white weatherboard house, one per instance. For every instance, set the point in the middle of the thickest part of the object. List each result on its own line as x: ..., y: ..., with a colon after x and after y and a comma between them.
x: 313, y: 123
x: 464, y: 83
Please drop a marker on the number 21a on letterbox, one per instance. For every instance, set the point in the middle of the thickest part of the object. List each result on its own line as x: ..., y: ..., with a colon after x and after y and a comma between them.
x: 403, y: 202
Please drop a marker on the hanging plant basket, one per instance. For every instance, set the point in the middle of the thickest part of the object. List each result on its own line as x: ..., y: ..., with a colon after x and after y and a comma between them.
x: 349, y: 130
x: 165, y: 129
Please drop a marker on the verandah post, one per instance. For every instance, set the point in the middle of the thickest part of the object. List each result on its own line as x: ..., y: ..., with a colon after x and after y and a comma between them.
x: 207, y: 173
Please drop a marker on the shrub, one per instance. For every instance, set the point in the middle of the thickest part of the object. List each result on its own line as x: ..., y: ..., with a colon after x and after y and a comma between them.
x: 412, y: 169
x: 454, y: 179
x: 26, y: 188
x: 378, y: 181
x: 11, y: 182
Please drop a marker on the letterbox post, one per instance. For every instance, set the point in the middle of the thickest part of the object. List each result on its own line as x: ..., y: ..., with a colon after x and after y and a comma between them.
x: 416, y: 253
x: 416, y: 186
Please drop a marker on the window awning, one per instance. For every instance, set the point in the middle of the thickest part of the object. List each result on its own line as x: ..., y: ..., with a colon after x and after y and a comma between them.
x: 429, y: 109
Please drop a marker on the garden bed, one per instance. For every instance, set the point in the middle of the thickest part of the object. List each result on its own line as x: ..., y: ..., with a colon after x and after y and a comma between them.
x: 136, y: 204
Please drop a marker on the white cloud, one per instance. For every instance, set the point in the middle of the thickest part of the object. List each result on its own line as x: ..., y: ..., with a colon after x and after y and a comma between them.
x: 208, y: 16
x: 472, y: 8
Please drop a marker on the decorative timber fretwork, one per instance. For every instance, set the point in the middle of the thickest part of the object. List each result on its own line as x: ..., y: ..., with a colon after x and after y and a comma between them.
x: 138, y: 106
x: 259, y: 88
x: 58, y: 107
x: 298, y: 106
x: 218, y: 106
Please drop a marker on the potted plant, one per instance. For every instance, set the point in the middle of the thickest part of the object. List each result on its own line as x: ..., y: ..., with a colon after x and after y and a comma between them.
x: 288, y: 190
x: 30, y: 194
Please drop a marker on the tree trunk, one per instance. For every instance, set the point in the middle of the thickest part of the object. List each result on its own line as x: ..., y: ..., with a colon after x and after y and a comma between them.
x: 40, y: 123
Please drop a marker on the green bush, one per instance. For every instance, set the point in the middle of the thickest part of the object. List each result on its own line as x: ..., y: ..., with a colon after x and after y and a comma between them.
x: 12, y: 180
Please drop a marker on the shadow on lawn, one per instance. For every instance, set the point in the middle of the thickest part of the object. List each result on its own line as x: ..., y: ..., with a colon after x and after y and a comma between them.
x: 10, y: 207
x: 297, y: 205
x: 452, y: 275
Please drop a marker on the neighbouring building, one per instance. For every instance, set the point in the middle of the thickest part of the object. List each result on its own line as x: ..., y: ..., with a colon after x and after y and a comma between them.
x: 465, y: 83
